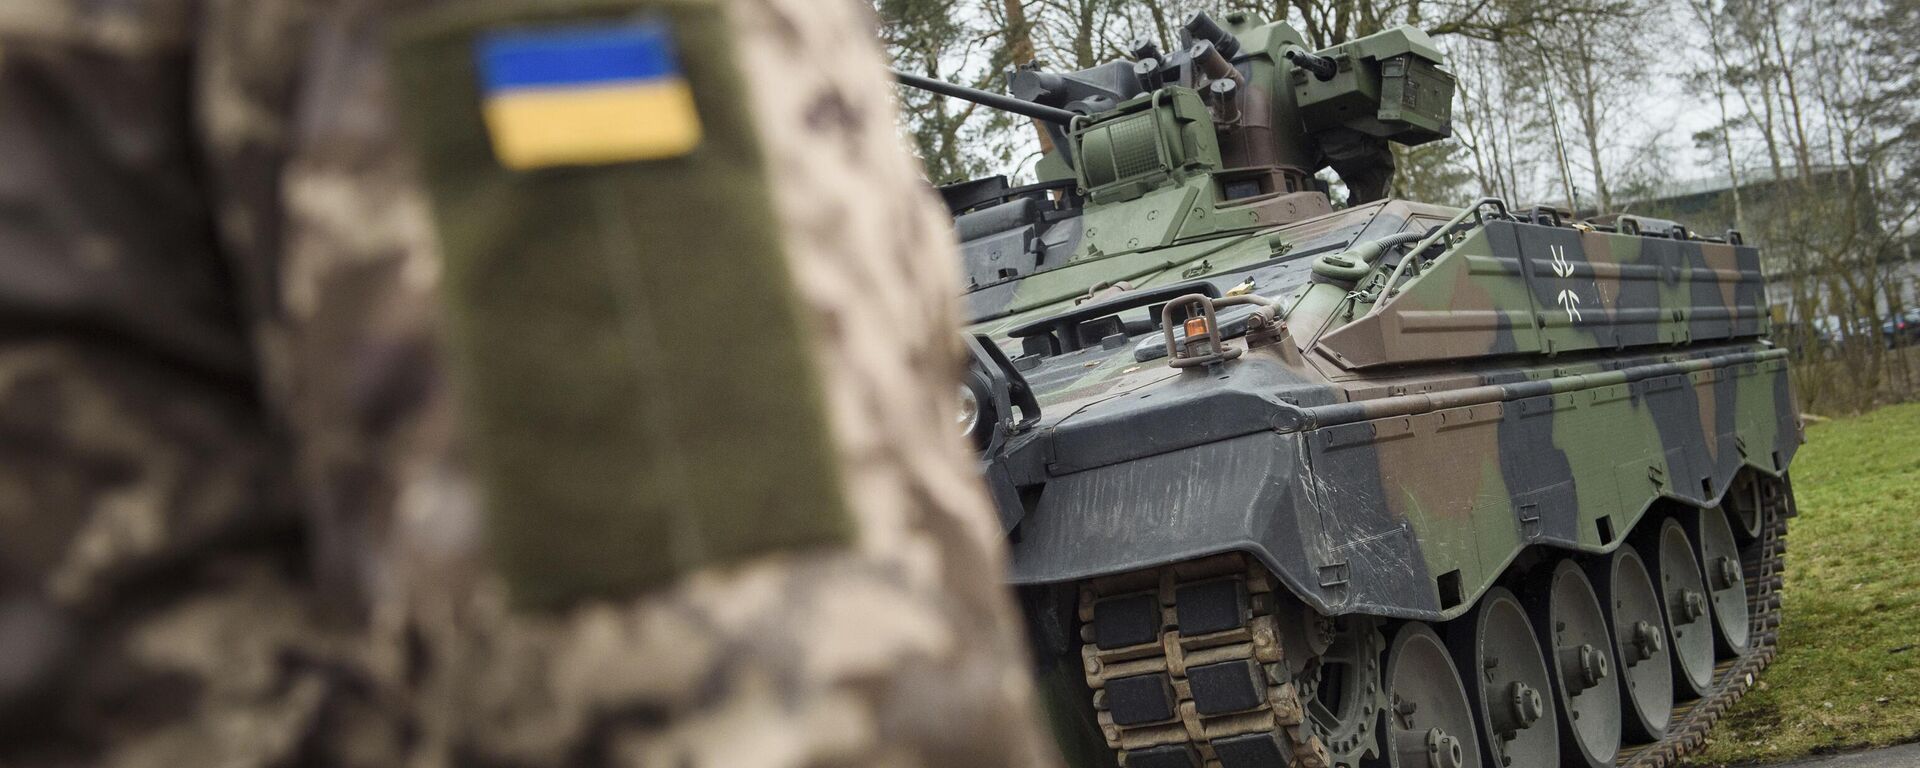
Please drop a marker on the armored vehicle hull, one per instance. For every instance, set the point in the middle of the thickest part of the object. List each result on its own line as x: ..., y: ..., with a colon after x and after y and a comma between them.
x: 1230, y: 553
x: 1390, y: 484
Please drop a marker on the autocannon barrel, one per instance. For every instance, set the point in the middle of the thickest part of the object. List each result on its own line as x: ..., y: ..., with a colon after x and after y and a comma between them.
x: 1321, y: 66
x: 985, y: 98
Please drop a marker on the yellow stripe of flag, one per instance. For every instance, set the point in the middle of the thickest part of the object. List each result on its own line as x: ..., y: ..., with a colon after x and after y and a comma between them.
x: 603, y: 123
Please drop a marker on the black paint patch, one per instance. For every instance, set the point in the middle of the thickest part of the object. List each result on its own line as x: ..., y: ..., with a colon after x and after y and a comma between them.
x: 1710, y: 318
x: 1534, y: 469
x: 1675, y: 405
x: 1503, y: 241
x: 1749, y: 292
x: 1637, y: 313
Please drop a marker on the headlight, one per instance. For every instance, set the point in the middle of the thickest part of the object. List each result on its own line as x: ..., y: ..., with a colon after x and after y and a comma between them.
x: 968, y: 414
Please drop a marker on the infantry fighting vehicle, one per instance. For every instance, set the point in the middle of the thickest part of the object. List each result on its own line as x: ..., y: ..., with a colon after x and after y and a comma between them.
x: 1394, y: 483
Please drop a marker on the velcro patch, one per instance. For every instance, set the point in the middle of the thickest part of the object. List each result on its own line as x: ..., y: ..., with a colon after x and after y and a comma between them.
x: 635, y: 362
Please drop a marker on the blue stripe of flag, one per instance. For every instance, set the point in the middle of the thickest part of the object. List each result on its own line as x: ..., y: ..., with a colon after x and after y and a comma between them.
x: 573, y: 56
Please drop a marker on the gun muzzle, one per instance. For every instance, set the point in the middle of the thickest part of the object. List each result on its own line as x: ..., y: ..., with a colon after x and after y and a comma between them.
x: 1321, y: 66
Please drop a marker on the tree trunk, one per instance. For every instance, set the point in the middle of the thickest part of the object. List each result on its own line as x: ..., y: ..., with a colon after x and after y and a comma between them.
x: 1703, y: 10
x: 1020, y: 53
x: 1588, y: 105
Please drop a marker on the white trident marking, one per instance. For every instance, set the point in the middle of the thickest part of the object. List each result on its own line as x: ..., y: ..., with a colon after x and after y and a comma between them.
x: 1568, y: 299
x: 1561, y: 266
x: 1571, y: 303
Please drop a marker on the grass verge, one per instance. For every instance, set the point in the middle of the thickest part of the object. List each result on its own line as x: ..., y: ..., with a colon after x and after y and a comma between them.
x: 1848, y: 673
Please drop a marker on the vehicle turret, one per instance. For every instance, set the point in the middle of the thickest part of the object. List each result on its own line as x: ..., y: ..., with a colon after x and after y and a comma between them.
x: 1247, y: 108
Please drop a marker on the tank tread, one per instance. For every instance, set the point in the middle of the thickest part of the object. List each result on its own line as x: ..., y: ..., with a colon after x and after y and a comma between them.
x: 1764, y: 562
x: 1187, y: 668
x: 1212, y: 691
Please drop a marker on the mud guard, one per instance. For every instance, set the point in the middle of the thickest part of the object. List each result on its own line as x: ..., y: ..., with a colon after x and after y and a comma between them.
x: 1242, y: 494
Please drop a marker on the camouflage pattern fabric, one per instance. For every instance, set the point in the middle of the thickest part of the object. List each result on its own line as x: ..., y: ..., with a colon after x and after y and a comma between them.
x: 218, y: 312
x: 239, y: 530
x: 898, y: 651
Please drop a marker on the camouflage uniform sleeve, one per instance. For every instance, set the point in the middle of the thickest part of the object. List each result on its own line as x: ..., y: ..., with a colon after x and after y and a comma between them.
x: 211, y: 283
x: 148, y: 612
x: 895, y: 646
x: 213, y: 238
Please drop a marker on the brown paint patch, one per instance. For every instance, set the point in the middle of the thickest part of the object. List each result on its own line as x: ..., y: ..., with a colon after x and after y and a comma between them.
x: 1708, y: 407
x: 1606, y: 269
x: 1726, y: 266
x: 1434, y: 476
x: 1449, y: 287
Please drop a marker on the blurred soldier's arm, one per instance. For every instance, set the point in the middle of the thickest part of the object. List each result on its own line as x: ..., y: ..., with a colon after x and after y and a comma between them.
x: 804, y: 571
x: 139, y: 496
x: 237, y: 526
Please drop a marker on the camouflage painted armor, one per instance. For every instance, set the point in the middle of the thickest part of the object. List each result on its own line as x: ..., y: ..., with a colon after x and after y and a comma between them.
x: 241, y: 527
x: 1282, y: 481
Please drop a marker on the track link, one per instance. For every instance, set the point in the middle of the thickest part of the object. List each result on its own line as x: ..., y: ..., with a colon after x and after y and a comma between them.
x: 1189, y: 667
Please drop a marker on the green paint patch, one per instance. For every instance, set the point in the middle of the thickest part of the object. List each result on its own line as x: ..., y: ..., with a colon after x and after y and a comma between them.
x: 1848, y: 673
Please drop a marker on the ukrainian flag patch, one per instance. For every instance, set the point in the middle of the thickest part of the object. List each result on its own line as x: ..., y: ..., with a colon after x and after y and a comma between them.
x: 587, y: 95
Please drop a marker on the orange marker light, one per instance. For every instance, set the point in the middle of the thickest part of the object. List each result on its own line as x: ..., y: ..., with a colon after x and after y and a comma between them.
x: 1196, y: 326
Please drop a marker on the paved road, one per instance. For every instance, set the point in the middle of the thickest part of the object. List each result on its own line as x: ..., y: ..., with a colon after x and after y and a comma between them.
x: 1904, y: 756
